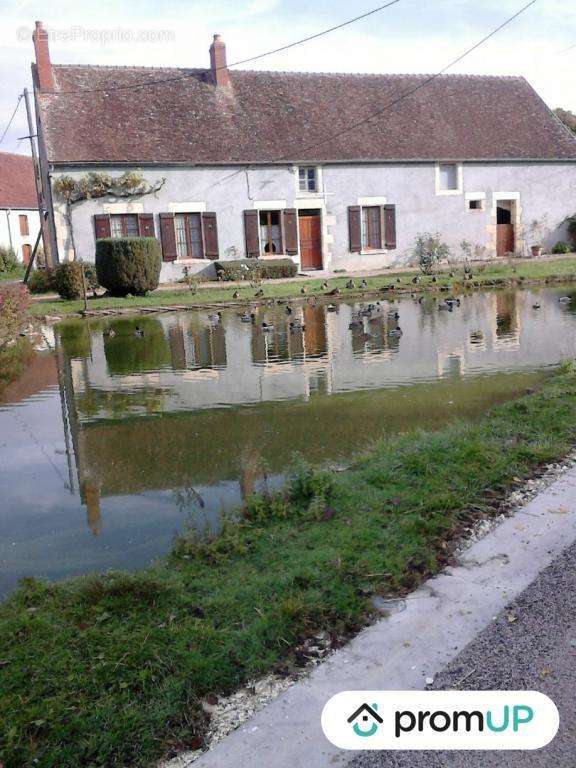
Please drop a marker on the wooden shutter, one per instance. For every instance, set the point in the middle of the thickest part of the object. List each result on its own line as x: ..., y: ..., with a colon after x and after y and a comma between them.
x: 210, y: 235
x: 168, y: 235
x: 251, y: 234
x: 355, y: 227
x: 290, y: 226
x: 390, y: 226
x: 102, y: 225
x: 146, y: 225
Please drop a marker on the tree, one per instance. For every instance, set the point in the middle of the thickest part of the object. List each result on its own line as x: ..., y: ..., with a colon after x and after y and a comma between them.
x: 567, y: 117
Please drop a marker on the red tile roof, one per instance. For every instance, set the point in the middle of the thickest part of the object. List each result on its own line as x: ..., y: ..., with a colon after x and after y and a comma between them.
x: 17, y: 188
x: 267, y: 116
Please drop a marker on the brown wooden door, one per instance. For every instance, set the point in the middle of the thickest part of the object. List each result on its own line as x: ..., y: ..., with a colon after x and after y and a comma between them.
x: 310, y: 240
x: 26, y: 253
x: 504, y: 239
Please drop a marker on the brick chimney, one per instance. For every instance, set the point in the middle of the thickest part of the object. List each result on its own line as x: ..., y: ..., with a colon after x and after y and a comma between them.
x: 220, y: 74
x: 43, y: 63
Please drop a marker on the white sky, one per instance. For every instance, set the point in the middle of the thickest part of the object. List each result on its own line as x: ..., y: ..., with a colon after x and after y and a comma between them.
x: 413, y: 36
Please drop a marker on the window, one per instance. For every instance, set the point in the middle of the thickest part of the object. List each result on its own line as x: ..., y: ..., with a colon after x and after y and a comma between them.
x: 372, y: 227
x: 24, y: 230
x: 189, y: 243
x: 270, y: 232
x: 476, y: 204
x: 124, y: 225
x: 308, y: 179
x: 448, y: 177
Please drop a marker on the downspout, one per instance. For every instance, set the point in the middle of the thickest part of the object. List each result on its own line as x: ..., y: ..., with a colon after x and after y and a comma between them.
x: 8, y: 212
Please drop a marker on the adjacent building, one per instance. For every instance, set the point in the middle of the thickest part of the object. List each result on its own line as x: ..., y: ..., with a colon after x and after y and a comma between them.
x: 19, y: 218
x: 335, y: 171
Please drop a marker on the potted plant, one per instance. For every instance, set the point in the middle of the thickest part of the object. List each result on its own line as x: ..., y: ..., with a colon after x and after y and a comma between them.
x: 536, y: 250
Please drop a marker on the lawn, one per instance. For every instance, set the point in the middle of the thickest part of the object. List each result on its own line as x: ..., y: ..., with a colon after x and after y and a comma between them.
x: 15, y: 274
x: 111, y: 670
x: 491, y: 274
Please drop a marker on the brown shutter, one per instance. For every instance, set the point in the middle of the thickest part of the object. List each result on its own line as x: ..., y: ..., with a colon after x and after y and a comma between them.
x: 168, y: 235
x: 210, y: 235
x: 390, y: 227
x: 290, y: 223
x: 146, y: 225
x: 355, y: 227
x: 251, y: 234
x: 102, y: 225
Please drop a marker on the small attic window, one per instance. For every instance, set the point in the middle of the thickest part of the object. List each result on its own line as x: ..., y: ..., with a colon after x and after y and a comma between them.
x: 476, y: 204
x: 308, y: 178
x: 448, y: 176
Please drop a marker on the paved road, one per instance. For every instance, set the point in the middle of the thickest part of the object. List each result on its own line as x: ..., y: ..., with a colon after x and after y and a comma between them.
x: 531, y: 645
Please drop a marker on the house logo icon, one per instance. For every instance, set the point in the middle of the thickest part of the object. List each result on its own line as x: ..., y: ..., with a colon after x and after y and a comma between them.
x: 366, y: 720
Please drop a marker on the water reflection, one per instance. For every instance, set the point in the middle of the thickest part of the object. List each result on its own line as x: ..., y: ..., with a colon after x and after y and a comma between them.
x: 131, y: 435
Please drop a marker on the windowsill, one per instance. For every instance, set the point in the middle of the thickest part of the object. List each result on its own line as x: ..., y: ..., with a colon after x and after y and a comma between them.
x: 190, y: 261
x: 264, y: 256
x: 442, y: 192
x: 373, y: 251
x: 303, y: 195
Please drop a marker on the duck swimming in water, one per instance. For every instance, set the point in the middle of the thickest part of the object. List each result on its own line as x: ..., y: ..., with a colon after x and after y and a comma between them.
x: 215, y: 318
x: 248, y: 318
x: 110, y: 332
x: 395, y: 332
x: 267, y: 327
x: 565, y: 299
x: 296, y: 325
x: 138, y: 331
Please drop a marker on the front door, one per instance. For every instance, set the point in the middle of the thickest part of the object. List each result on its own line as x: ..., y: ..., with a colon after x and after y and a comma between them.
x: 310, y: 228
x: 505, y: 239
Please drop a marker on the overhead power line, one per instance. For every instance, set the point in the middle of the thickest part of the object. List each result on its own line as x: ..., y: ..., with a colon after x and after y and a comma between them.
x: 174, y: 78
x: 565, y: 50
x: 11, y: 119
x: 389, y: 105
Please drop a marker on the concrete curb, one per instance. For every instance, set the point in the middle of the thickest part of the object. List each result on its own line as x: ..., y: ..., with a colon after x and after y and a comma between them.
x: 426, y: 631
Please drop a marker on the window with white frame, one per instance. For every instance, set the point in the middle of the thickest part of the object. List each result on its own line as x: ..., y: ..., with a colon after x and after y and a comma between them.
x: 308, y: 178
x: 188, y: 227
x: 448, y: 177
x: 270, y: 232
x: 371, y: 227
x: 124, y: 225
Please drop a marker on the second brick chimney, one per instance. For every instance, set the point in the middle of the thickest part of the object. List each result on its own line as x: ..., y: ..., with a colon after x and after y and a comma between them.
x: 43, y: 63
x: 218, y: 66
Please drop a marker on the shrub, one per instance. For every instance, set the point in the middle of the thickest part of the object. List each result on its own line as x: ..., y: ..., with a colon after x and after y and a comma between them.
x: 571, y: 222
x: 14, y: 304
x: 561, y: 247
x: 249, y: 269
x: 41, y: 281
x: 68, y: 279
x: 8, y: 261
x: 428, y: 251
x: 128, y: 264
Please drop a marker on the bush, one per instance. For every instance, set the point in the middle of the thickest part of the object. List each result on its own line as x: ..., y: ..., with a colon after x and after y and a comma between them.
x: 41, y: 281
x: 561, y: 247
x: 128, y: 264
x: 14, y: 304
x: 428, y: 251
x: 68, y: 279
x: 8, y: 261
x: 248, y: 269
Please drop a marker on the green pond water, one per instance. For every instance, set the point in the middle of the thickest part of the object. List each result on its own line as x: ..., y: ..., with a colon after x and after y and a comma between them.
x: 112, y: 443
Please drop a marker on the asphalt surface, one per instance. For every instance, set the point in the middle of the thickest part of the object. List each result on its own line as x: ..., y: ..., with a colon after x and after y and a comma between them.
x: 530, y: 646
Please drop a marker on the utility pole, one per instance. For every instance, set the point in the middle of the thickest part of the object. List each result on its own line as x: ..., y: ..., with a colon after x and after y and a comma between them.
x: 44, y: 224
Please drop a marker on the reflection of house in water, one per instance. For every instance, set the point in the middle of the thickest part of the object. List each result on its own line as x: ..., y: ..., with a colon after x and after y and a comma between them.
x: 451, y: 362
x: 507, y: 319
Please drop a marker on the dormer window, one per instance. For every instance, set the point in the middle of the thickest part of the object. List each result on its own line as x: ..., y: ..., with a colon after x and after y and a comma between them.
x: 308, y: 179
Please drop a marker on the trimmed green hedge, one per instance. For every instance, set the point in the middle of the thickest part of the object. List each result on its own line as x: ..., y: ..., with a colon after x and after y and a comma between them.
x: 128, y: 264
x: 246, y: 269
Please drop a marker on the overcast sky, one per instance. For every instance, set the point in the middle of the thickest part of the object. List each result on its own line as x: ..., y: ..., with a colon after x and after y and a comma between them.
x: 412, y: 36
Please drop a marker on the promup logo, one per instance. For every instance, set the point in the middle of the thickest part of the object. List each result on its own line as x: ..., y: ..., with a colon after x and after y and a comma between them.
x: 440, y: 720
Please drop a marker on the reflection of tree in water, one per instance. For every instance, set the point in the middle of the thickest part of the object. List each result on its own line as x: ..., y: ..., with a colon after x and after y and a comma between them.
x: 128, y: 354
x: 117, y: 404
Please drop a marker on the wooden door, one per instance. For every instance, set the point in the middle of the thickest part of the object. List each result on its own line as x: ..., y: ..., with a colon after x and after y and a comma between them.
x: 309, y: 223
x: 26, y: 253
x: 504, y: 239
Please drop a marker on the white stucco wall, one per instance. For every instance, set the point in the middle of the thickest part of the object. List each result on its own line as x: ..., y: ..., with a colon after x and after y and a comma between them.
x: 543, y: 191
x: 10, y: 236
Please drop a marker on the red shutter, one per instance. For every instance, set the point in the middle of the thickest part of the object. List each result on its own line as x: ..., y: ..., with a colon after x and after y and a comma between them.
x: 102, y: 225
x: 390, y: 226
x: 146, y: 225
x: 355, y: 227
x: 168, y: 235
x: 210, y: 235
x: 251, y: 234
x: 290, y: 221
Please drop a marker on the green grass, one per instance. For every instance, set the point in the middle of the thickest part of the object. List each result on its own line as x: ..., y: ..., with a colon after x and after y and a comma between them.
x: 110, y: 670
x: 492, y: 274
x: 16, y: 274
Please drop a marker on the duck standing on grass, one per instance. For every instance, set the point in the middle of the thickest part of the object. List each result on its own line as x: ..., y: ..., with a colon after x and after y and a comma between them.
x: 236, y: 295
x: 350, y: 284
x: 324, y: 286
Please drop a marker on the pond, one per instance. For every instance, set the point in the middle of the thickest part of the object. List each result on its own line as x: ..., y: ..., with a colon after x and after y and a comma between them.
x: 115, y: 440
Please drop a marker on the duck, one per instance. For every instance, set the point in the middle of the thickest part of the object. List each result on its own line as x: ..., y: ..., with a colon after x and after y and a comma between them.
x: 334, y: 292
x: 289, y: 310
x: 364, y: 284
x: 110, y: 332
x: 296, y: 325
x: 565, y: 299
x: 236, y: 295
x: 434, y: 279
x: 259, y: 294
x: 446, y: 305
x: 394, y: 315
x: 324, y: 285
x: 248, y: 318
x: 138, y: 331
x: 395, y: 332
x: 536, y: 306
x: 350, y: 284
x: 215, y: 318
x: 267, y: 327
x: 331, y: 308
x: 303, y: 290
x: 415, y: 279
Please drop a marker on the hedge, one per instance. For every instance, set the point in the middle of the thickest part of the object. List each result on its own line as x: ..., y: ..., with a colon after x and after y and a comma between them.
x: 245, y: 269
x: 128, y: 264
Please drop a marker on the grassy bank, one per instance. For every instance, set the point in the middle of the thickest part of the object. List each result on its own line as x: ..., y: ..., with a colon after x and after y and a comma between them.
x: 111, y: 670
x: 16, y: 274
x: 492, y: 274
